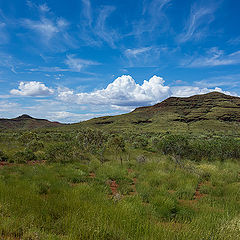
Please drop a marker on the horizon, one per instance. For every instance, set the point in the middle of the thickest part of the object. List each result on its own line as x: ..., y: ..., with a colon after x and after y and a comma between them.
x: 69, y: 62
x: 30, y: 116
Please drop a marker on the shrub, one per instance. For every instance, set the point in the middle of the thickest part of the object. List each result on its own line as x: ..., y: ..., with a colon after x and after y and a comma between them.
x: 59, y: 152
x: 140, y: 142
x: 3, y: 156
x: 27, y: 137
x: 174, y: 145
x: 35, y: 145
x: 141, y: 159
x: 24, y: 156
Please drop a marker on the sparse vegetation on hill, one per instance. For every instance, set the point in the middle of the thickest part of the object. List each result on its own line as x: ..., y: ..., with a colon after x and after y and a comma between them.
x: 26, y: 122
x: 200, y: 114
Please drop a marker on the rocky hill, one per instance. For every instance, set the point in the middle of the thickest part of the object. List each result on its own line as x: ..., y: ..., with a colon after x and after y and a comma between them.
x: 200, y: 113
x: 212, y: 112
x: 26, y: 122
x: 211, y: 106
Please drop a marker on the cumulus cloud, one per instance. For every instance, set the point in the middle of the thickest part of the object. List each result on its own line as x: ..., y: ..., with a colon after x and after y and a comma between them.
x: 125, y: 94
x: 32, y: 88
x: 123, y: 91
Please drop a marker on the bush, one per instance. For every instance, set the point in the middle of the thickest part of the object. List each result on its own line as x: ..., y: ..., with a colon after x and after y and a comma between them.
x: 24, y: 156
x: 140, y: 142
x: 3, y: 156
x: 210, y: 149
x: 141, y: 159
x: 35, y: 145
x: 174, y: 145
x: 59, y: 152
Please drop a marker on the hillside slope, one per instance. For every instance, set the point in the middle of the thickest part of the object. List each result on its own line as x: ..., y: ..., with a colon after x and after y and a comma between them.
x: 200, y: 113
x: 26, y: 122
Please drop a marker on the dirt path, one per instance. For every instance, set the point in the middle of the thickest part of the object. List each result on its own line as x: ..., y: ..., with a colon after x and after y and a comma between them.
x: 198, y: 195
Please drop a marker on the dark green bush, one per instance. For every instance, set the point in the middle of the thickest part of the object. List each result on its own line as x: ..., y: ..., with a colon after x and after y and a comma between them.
x: 59, y: 152
x: 174, y: 145
x: 24, y: 156
x: 35, y: 145
x: 197, y: 149
x: 3, y: 156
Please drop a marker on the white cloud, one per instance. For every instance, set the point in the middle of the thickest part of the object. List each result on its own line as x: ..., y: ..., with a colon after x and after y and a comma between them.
x: 48, y: 69
x: 186, y: 91
x: 7, y: 106
x: 69, y: 117
x: 101, y: 29
x: 77, y: 64
x: 44, y: 8
x: 154, y: 18
x: 197, y: 25
x: 95, y: 30
x: 51, y: 31
x: 143, y: 56
x: 230, y: 81
x: 3, y: 33
x: 136, y: 51
x: 125, y: 94
x: 46, y: 28
x: 123, y: 91
x: 32, y: 88
x: 234, y: 41
x: 214, y: 57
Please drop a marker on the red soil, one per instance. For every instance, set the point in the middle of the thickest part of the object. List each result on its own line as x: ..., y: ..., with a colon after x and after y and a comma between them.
x: 114, y: 187
x: 198, y: 195
x: 92, y: 175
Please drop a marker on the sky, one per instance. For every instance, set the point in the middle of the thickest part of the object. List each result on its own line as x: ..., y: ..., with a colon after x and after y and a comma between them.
x: 72, y: 60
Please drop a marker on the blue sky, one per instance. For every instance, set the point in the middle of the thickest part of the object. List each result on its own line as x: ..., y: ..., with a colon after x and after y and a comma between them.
x: 73, y: 60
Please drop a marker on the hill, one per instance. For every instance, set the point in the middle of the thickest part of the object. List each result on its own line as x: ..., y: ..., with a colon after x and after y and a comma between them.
x: 200, y: 113
x: 26, y: 122
x: 211, y: 112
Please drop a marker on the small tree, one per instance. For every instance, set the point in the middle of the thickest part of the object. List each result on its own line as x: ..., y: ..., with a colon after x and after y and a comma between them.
x: 93, y: 141
x: 117, y: 144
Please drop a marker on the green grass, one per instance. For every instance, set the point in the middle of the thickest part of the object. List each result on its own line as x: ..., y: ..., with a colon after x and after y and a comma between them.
x: 61, y: 201
x: 168, y: 186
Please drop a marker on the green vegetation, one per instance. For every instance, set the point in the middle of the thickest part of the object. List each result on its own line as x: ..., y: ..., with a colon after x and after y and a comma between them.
x: 200, y: 114
x: 169, y: 171
x: 92, y: 184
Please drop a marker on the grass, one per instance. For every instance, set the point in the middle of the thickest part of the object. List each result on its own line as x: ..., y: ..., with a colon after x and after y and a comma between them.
x: 166, y: 186
x: 61, y: 201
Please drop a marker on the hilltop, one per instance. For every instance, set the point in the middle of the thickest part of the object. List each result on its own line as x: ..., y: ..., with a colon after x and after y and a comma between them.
x: 199, y: 113
x: 215, y: 112
x: 26, y: 122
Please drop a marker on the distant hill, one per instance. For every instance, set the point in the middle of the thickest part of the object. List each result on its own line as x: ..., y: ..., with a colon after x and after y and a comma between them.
x: 200, y: 113
x: 211, y: 112
x: 26, y: 122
